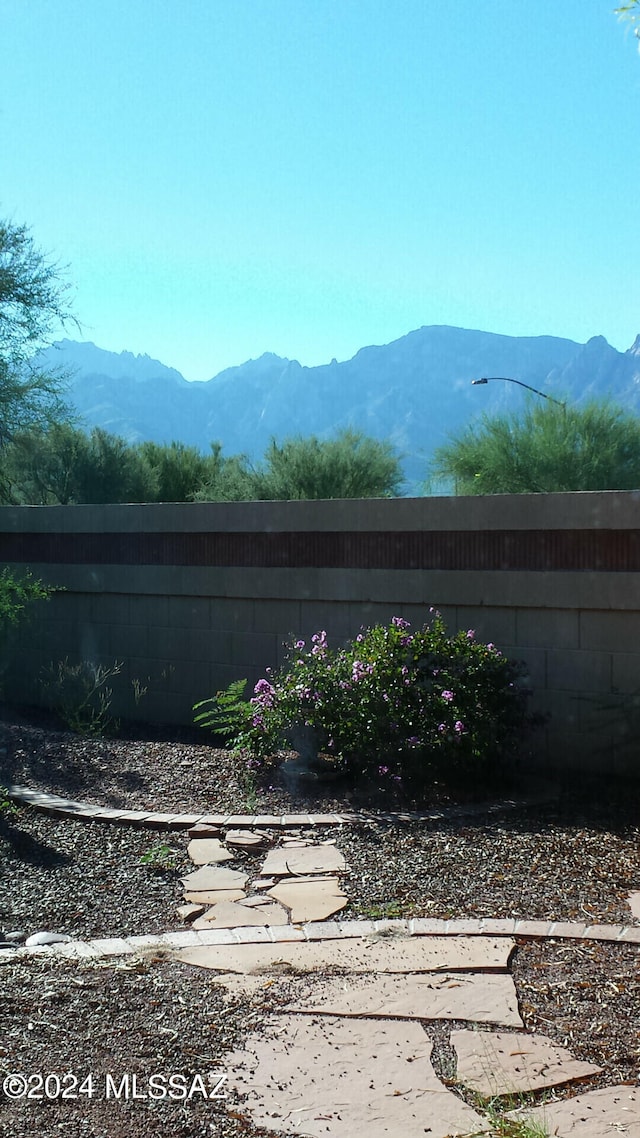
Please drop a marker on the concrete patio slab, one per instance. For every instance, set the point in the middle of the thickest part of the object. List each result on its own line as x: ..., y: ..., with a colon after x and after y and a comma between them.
x: 503, y: 1063
x: 478, y: 997
x: 398, y: 954
x: 606, y: 1113
x: 345, y: 1079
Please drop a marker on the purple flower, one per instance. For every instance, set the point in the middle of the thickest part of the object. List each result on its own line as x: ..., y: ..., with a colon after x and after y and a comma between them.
x: 442, y: 727
x: 447, y: 696
x: 458, y: 727
x: 263, y: 687
x: 299, y: 644
x: 383, y: 770
x: 471, y: 633
x: 413, y: 741
x: 398, y: 622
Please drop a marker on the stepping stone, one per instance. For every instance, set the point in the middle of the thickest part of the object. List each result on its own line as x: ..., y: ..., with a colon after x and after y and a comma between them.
x: 303, y: 860
x: 478, y: 997
x: 309, y: 898
x: 202, y: 830
x: 345, y: 1079
x: 214, y: 877
x: 611, y: 1111
x: 634, y: 905
x: 214, y: 896
x: 248, y: 839
x: 358, y: 954
x: 501, y: 1063
x: 232, y: 914
x: 207, y: 851
x: 189, y: 912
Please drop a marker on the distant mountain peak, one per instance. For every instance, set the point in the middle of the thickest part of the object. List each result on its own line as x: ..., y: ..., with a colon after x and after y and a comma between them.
x: 416, y: 390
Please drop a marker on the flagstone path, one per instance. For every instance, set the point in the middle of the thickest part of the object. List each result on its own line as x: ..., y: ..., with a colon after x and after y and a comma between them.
x: 347, y: 1054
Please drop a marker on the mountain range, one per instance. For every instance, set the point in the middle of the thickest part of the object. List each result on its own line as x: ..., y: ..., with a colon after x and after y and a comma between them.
x: 415, y: 391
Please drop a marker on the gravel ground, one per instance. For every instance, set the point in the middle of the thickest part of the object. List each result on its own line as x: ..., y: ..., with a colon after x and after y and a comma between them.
x: 576, y: 858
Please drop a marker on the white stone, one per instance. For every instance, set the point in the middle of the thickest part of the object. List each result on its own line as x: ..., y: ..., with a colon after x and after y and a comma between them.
x: 46, y: 938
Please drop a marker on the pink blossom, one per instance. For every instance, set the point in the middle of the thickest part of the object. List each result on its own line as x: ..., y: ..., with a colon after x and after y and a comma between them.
x: 447, y: 696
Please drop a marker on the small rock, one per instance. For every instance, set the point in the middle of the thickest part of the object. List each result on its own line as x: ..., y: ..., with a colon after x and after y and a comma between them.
x: 189, y: 912
x: 15, y: 937
x: 247, y: 840
x: 201, y: 830
x: 46, y: 938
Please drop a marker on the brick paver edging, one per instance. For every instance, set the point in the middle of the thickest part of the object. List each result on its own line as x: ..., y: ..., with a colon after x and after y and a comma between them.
x: 83, y: 812
x: 331, y: 930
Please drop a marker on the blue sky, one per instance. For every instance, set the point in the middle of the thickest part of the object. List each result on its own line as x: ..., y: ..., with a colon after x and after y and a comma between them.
x: 228, y: 177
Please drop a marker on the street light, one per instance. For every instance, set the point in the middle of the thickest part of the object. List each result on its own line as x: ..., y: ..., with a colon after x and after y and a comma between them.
x: 506, y: 379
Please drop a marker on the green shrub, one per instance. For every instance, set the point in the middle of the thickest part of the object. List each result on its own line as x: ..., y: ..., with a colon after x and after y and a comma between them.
x: 395, y: 704
x: 80, y: 695
x: 16, y: 594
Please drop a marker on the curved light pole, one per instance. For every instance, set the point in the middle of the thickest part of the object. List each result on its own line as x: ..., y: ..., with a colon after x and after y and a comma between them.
x: 506, y: 379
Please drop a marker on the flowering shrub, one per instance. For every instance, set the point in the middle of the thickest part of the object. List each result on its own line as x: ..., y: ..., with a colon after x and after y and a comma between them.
x: 395, y: 704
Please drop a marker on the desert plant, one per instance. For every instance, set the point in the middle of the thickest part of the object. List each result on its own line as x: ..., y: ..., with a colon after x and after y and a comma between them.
x: 7, y: 807
x: 159, y: 858
x: 394, y: 704
x: 16, y: 594
x: 80, y: 695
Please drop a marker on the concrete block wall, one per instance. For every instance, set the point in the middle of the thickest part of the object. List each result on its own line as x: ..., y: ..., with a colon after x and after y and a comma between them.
x: 190, y: 597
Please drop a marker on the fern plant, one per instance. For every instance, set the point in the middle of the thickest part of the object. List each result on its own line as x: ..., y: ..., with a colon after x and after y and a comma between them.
x: 226, y: 713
